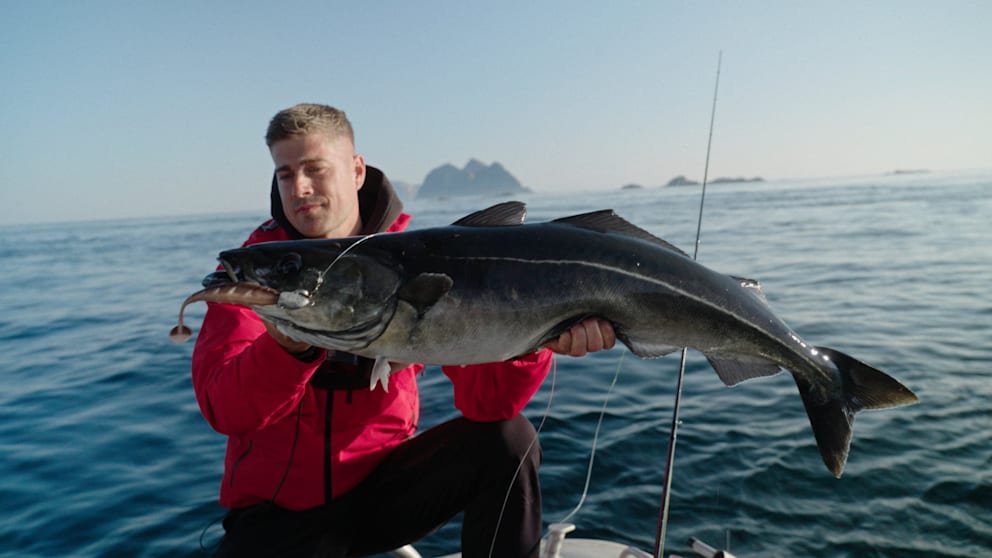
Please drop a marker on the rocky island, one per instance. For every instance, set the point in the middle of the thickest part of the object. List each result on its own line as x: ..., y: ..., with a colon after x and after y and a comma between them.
x: 681, y: 180
x: 476, y: 178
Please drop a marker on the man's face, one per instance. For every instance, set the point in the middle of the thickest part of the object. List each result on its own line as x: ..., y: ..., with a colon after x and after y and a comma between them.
x: 319, y: 179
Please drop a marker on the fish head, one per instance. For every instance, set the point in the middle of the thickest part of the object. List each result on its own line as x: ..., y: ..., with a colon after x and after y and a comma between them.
x: 328, y: 295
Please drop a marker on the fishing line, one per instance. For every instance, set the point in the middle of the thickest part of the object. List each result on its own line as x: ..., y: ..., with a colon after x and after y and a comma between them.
x: 659, y: 546
x: 289, y: 464
x: 320, y: 278
x: 509, y: 489
x: 592, y: 453
x: 595, y: 440
x: 203, y: 534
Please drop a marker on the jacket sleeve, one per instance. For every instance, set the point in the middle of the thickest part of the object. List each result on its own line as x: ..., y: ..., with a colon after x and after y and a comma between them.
x: 498, y: 390
x: 243, y: 379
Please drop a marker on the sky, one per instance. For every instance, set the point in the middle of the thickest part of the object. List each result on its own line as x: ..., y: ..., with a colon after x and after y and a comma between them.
x: 120, y: 109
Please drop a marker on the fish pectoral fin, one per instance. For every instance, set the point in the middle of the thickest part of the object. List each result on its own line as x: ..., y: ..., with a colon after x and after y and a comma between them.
x: 733, y: 370
x: 424, y: 290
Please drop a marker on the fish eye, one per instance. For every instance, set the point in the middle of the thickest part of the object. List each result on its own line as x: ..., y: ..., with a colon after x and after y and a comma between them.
x: 290, y: 264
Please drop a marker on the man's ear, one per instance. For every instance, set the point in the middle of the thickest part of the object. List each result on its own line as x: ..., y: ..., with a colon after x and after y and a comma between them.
x: 359, y: 171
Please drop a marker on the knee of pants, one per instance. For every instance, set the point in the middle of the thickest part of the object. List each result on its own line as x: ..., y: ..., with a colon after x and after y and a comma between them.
x: 516, y: 438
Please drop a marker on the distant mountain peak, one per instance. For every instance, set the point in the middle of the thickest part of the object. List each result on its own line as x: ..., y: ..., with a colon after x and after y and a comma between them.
x: 475, y: 178
x: 475, y: 165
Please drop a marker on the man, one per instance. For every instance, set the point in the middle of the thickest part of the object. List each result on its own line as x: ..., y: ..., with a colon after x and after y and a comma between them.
x: 319, y: 465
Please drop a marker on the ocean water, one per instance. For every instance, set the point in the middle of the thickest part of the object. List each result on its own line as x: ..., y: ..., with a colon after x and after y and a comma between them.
x: 104, y: 452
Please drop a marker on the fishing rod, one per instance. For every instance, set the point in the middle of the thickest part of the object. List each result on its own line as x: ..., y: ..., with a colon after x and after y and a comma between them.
x: 659, y: 545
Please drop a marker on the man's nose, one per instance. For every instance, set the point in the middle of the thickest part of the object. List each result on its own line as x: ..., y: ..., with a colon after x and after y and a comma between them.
x: 302, y: 185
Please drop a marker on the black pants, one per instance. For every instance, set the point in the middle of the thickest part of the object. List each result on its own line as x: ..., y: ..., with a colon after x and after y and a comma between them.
x: 457, y: 466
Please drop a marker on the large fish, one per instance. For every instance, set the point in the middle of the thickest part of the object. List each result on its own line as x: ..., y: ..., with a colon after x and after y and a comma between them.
x: 489, y: 288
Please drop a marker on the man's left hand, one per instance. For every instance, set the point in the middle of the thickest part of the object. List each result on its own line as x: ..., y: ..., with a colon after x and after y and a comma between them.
x: 588, y: 336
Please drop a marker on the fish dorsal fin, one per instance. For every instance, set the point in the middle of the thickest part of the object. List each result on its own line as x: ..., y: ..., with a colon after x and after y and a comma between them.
x: 506, y: 214
x: 607, y: 221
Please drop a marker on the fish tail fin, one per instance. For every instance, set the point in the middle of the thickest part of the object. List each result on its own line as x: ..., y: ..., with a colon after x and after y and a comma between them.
x: 832, y: 414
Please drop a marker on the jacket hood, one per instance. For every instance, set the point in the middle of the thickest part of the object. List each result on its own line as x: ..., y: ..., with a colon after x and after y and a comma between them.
x: 377, y: 202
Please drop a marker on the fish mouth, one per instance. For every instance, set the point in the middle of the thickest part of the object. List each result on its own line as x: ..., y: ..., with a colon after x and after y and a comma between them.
x: 219, y: 279
x: 230, y: 286
x: 230, y: 275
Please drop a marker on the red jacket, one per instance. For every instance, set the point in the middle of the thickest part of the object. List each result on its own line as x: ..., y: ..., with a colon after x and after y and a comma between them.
x: 322, y: 441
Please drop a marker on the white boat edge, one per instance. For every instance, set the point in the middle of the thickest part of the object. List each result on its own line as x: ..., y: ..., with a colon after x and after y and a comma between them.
x: 555, y: 545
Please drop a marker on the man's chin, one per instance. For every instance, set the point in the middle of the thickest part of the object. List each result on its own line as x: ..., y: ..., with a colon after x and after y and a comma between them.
x: 310, y: 228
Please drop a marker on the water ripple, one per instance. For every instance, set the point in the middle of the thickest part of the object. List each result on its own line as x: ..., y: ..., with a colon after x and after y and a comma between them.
x: 105, y: 453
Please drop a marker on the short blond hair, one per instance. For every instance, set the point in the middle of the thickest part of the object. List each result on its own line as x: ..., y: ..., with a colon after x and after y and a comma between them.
x: 309, y: 118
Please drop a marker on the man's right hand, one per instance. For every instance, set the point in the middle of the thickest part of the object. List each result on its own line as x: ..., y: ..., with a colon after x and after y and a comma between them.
x: 292, y: 347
